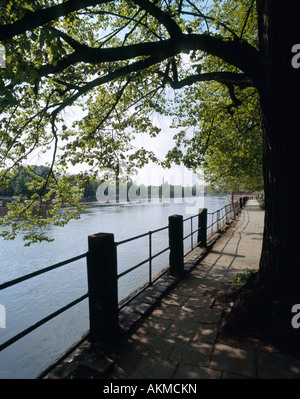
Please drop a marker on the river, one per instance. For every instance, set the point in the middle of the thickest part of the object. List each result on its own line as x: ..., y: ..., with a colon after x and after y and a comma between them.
x: 29, y: 301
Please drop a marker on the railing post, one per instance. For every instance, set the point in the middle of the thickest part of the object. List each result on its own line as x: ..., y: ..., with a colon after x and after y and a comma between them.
x: 102, y: 287
x: 176, y: 244
x: 202, y: 228
x: 227, y: 213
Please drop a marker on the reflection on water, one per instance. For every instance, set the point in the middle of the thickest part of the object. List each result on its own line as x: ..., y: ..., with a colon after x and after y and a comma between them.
x: 31, y: 300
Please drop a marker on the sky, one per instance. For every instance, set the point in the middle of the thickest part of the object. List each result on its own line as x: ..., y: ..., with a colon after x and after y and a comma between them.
x: 160, y: 145
x: 151, y: 174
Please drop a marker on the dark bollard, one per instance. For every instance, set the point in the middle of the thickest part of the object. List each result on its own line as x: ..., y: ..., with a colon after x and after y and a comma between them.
x: 202, y: 228
x: 103, y: 291
x: 176, y: 244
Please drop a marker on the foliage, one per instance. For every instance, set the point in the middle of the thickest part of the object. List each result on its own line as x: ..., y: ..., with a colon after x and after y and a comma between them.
x: 261, y: 204
x: 226, y: 140
x: 242, y: 278
x: 83, y: 78
x: 41, y: 199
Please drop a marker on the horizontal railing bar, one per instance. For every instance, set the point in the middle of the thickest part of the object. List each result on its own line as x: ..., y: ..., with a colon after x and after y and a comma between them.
x: 38, y: 272
x: 218, y: 210
x: 142, y: 262
x: 41, y: 322
x: 132, y: 238
x: 133, y: 268
x: 141, y: 235
x: 191, y: 217
x: 159, y: 253
x: 160, y: 229
x: 187, y: 236
x: 193, y: 232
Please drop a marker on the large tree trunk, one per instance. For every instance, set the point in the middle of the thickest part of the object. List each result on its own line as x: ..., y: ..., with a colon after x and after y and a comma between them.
x: 266, y: 303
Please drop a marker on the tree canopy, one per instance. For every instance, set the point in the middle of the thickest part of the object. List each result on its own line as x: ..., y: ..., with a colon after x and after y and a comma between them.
x: 113, y: 64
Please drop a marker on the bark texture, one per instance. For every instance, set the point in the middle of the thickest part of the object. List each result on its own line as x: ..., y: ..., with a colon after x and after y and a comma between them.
x: 265, y: 303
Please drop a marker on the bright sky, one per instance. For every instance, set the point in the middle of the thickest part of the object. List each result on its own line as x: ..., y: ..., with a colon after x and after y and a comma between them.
x: 151, y: 174
x: 160, y: 145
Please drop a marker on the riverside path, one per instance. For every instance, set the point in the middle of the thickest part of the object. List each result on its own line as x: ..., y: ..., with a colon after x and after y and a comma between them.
x: 179, y: 337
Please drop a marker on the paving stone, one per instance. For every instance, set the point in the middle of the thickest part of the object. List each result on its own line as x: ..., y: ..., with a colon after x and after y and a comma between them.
x: 166, y: 311
x: 234, y: 360
x: 134, y: 317
x: 149, y: 299
x: 150, y: 345
x: 192, y: 353
x: 182, y: 330
x: 208, y: 315
x: 206, y: 333
x: 155, y: 325
x: 143, y: 308
x: 150, y: 368
x: 232, y: 376
x: 202, y: 315
x: 277, y: 366
x: 202, y: 302
x: 124, y: 361
x: 187, y: 371
x: 100, y: 366
x: 173, y: 299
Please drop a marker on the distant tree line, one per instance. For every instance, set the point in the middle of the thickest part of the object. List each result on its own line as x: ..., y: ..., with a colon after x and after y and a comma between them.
x: 20, y: 184
x: 20, y: 181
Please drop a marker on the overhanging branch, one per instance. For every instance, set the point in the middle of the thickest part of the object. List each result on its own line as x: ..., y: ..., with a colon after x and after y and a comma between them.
x: 162, y: 17
x: 34, y: 19
x: 123, y: 71
x: 227, y: 78
x: 239, y: 54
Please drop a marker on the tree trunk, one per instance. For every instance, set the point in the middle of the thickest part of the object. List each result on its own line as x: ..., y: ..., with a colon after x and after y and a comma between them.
x: 266, y: 303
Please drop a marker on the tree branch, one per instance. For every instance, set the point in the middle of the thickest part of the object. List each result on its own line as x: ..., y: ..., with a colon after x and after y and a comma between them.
x: 134, y: 67
x: 227, y: 78
x: 205, y: 17
x: 41, y: 17
x: 247, y: 17
x: 162, y: 17
x: 237, y: 53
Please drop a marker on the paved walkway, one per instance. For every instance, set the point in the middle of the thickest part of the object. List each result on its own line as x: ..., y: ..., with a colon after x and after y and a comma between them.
x: 179, y: 339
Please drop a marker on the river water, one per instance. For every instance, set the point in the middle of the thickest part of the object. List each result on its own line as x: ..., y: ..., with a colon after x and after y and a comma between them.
x: 28, y: 302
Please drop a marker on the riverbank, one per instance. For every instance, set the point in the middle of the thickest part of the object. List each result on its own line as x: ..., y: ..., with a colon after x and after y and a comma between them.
x: 179, y: 339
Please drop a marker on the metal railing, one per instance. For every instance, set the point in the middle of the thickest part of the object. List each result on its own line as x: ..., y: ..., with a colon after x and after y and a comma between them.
x: 221, y: 216
x: 50, y: 316
x: 148, y: 260
x: 190, y: 235
x: 102, y: 270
